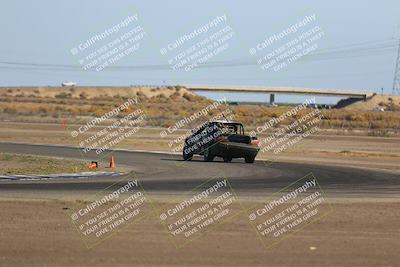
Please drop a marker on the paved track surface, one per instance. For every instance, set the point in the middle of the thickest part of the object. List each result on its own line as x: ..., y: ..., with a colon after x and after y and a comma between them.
x: 166, y: 173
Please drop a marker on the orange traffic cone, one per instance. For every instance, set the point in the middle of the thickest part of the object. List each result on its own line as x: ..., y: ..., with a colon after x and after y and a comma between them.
x: 112, y: 162
x: 93, y: 165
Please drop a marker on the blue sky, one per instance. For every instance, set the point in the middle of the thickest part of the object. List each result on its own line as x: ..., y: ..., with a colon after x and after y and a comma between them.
x: 44, y: 31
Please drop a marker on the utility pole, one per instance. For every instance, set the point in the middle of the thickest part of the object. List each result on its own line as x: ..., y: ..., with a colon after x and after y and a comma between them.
x: 396, y: 80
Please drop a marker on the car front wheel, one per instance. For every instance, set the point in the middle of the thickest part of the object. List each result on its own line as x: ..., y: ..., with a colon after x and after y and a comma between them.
x: 187, y: 156
x: 249, y: 159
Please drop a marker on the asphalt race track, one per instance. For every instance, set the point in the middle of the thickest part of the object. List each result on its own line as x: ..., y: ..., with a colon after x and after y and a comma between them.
x: 165, y: 173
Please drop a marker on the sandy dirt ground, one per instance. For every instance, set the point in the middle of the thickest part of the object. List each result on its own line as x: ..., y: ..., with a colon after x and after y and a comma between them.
x: 36, y: 230
x: 355, y: 233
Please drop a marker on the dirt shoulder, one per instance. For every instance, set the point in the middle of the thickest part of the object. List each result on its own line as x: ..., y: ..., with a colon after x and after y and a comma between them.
x: 38, y: 233
x: 17, y: 164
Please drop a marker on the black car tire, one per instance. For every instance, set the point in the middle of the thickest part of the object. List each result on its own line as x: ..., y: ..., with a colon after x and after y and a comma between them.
x: 207, y: 155
x: 249, y: 159
x: 187, y: 157
x: 227, y: 159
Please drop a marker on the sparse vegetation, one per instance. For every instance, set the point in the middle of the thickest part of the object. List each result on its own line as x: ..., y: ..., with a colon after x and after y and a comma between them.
x: 63, y: 95
x: 163, y: 106
x: 14, y: 164
x: 83, y: 95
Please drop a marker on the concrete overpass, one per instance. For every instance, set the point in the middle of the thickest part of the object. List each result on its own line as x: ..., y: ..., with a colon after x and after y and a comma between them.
x: 280, y: 90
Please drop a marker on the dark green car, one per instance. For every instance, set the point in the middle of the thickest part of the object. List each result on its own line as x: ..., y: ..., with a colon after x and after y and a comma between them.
x: 221, y: 139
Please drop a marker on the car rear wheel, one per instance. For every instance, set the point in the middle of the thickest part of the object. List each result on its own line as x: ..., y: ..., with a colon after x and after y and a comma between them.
x: 207, y: 155
x: 249, y: 159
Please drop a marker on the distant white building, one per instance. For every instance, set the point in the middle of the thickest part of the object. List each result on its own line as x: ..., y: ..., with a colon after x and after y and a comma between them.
x: 68, y: 84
